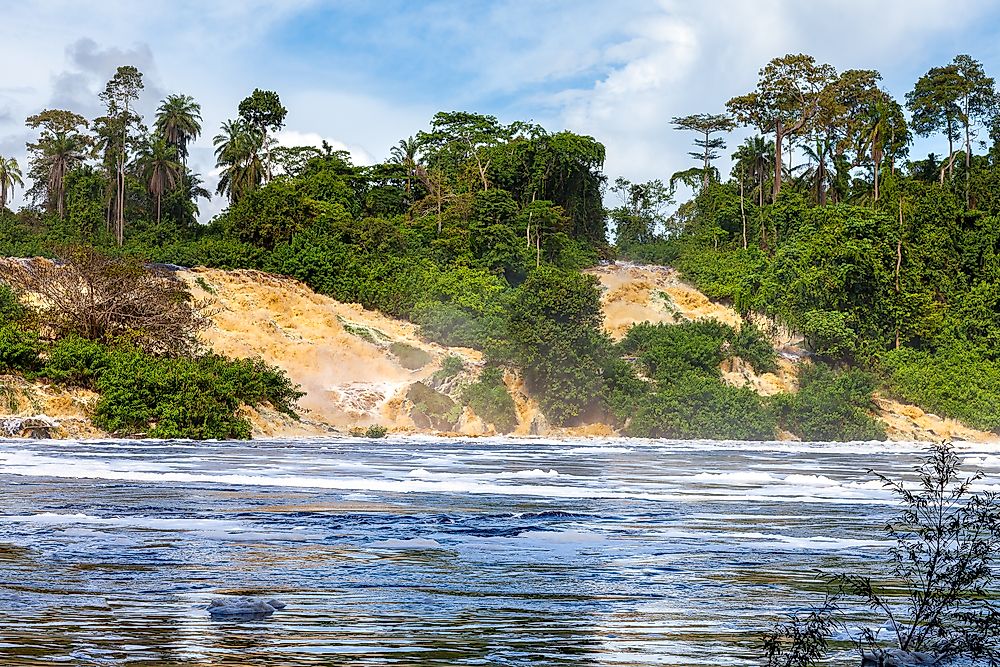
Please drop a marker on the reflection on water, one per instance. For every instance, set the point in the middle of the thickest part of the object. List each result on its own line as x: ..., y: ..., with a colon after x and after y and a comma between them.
x: 427, y: 552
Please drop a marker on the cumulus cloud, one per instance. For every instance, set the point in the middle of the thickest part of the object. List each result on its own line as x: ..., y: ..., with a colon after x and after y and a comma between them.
x: 363, y: 75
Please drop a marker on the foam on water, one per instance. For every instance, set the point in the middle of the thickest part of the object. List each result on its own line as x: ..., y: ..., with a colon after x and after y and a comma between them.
x: 425, y: 551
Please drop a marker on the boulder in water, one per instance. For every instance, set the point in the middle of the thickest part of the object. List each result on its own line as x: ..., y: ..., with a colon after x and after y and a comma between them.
x: 243, y: 608
x: 897, y: 658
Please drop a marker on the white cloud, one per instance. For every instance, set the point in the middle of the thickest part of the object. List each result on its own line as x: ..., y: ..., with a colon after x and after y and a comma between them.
x: 359, y: 156
x: 618, y: 71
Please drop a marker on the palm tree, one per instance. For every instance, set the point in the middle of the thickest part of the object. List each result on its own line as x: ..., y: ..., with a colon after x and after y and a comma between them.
x: 10, y: 175
x: 178, y: 120
x: 60, y: 154
x: 157, y: 162
x: 241, y: 154
x: 754, y: 159
x: 405, y: 153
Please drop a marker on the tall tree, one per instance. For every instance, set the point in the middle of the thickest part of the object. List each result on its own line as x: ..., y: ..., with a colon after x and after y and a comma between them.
x: 161, y: 170
x: 976, y: 102
x: 10, y: 175
x: 239, y: 153
x: 934, y: 106
x: 787, y: 101
x: 178, y: 120
x: 706, y: 125
x: 121, y: 124
x: 459, y: 138
x: 405, y: 153
x: 63, y: 144
x: 263, y: 111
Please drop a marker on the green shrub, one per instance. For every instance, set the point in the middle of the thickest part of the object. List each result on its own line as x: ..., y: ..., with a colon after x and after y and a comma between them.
x: 552, y: 335
x: 410, y: 357
x: 829, y: 334
x: 490, y: 400
x: 376, y: 432
x: 11, y: 310
x: 184, y: 397
x: 752, y: 345
x: 668, y: 351
x: 19, y: 349
x: 694, y: 405
x: 75, y: 361
x: 830, y: 406
x: 450, y: 367
x: 951, y: 382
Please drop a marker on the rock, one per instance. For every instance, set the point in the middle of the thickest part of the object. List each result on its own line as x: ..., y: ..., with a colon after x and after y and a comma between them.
x: 539, y: 425
x: 897, y: 658
x: 243, y: 608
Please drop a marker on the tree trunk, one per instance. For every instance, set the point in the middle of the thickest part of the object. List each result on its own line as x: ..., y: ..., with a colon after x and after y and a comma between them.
x: 743, y: 214
x: 779, y: 136
x: 704, y: 169
x: 951, y: 152
x: 158, y: 197
x: 899, y: 258
x: 968, y: 159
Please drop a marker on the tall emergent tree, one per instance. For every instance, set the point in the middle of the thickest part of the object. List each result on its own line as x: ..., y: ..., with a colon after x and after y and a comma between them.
x: 706, y: 125
x: 787, y: 101
x: 239, y: 153
x: 178, y: 120
x: 10, y: 175
x: 976, y: 102
x: 119, y: 131
x: 263, y: 111
x: 161, y: 171
x: 63, y: 144
x: 934, y: 106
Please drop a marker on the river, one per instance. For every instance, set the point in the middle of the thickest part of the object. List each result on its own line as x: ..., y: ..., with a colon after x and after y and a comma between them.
x: 422, y: 551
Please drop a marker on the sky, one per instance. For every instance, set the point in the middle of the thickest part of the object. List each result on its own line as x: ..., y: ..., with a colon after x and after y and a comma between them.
x: 362, y: 74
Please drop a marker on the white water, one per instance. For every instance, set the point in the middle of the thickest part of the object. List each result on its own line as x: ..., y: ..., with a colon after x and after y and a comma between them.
x: 423, y: 551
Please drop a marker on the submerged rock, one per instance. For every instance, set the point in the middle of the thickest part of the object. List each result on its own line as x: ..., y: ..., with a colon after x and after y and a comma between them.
x: 243, y: 608
x: 897, y: 658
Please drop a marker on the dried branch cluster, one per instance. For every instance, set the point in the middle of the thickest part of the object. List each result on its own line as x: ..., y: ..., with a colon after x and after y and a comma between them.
x: 104, y: 298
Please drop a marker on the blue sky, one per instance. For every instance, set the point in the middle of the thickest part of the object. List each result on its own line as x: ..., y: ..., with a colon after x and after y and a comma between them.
x: 364, y: 74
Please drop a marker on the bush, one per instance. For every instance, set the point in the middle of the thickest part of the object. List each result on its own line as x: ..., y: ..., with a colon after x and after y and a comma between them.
x: 829, y: 334
x: 450, y: 367
x: 669, y: 351
x: 752, y: 345
x: 410, y: 357
x: 75, y: 361
x: 100, y: 297
x: 694, y: 405
x: 552, y: 334
x: 830, y: 406
x: 951, y: 382
x: 490, y: 400
x: 196, y: 397
x: 19, y: 349
x: 11, y: 310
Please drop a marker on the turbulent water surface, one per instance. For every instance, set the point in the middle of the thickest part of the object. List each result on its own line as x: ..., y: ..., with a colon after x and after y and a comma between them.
x: 428, y: 551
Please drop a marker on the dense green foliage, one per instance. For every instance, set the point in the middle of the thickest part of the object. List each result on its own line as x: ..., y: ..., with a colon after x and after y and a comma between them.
x: 184, y: 398
x: 489, y: 399
x: 955, y: 382
x: 477, y: 230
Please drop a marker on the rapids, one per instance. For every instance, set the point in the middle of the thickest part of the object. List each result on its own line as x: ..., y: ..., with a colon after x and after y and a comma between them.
x: 424, y: 551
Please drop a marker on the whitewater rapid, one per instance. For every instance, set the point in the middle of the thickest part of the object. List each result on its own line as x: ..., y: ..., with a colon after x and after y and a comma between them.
x: 424, y: 551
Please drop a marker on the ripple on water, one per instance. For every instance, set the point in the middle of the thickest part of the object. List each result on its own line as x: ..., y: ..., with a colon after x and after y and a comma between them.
x: 427, y: 551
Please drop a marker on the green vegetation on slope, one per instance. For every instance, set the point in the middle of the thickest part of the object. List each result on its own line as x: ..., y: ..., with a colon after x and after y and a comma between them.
x: 477, y: 230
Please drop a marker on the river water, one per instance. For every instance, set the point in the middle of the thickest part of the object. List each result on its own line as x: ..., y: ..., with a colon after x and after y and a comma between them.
x: 430, y: 551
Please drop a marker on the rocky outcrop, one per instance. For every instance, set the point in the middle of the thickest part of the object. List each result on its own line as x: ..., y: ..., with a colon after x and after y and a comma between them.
x: 897, y: 658
x: 243, y: 608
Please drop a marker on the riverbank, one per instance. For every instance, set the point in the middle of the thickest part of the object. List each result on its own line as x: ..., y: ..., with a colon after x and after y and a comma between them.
x: 359, y: 368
